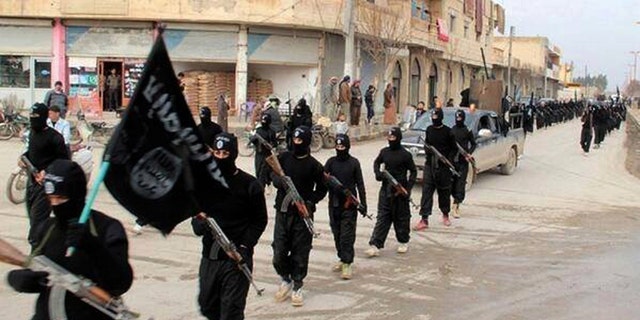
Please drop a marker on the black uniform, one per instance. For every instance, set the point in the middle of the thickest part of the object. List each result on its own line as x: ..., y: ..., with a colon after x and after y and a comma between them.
x: 343, y: 220
x: 301, y: 117
x: 45, y: 146
x: 207, y: 128
x: 586, y: 134
x: 437, y: 175
x: 465, y: 139
x: 291, y: 238
x: 242, y: 216
x: 393, y: 209
x: 102, y: 247
x: 262, y: 153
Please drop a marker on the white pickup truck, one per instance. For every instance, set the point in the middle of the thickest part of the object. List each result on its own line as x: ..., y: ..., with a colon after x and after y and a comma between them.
x: 498, y: 145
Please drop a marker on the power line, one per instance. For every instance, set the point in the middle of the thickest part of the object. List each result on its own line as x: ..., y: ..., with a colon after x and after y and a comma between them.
x: 281, y: 12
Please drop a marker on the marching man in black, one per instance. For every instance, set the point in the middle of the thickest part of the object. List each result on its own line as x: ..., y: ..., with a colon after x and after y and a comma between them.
x: 587, y: 129
x: 465, y: 140
x: 342, y: 214
x: 437, y: 175
x: 243, y: 218
x: 291, y: 236
x: 393, y: 205
x: 266, y: 133
x: 101, y: 245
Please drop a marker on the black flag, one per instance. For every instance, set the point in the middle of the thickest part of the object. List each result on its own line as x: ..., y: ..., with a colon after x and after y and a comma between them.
x: 161, y: 171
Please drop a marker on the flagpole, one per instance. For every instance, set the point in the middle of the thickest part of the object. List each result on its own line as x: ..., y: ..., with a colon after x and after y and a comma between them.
x: 104, y: 168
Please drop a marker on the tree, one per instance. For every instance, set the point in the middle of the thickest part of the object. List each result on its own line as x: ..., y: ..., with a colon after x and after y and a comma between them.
x: 600, y: 81
x: 632, y: 89
x: 382, y: 34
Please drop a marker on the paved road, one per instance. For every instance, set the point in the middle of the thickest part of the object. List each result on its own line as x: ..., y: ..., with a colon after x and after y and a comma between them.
x: 556, y: 240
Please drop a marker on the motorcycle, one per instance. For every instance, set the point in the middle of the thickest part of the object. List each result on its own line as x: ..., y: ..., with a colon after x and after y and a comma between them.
x: 13, y: 126
x: 16, y: 188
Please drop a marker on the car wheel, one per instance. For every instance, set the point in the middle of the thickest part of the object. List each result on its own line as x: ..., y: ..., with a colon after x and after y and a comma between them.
x: 509, y: 167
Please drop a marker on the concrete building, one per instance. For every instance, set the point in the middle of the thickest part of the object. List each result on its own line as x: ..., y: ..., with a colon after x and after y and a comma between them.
x: 432, y: 49
x: 536, y: 68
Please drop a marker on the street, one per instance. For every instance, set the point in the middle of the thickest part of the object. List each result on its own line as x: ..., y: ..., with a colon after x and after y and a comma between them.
x: 556, y: 240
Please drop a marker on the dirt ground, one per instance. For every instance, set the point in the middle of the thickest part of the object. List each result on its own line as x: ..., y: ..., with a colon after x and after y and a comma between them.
x: 556, y: 240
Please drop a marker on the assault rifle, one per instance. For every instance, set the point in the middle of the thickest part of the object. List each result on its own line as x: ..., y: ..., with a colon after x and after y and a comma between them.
x: 467, y: 156
x: 400, y: 190
x: 265, y: 144
x: 292, y: 197
x: 229, y: 248
x: 352, y: 200
x: 30, y: 167
x: 442, y: 159
x: 61, y: 280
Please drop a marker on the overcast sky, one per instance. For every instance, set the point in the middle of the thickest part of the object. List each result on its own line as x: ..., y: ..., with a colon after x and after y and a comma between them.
x: 598, y: 33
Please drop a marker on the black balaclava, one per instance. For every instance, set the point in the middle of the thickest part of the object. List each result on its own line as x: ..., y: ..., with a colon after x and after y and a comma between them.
x: 436, y: 117
x: 265, y: 120
x: 396, y: 132
x: 299, y: 109
x: 343, y: 140
x: 460, y: 117
x: 228, y: 142
x: 304, y: 133
x: 205, y: 115
x: 66, y: 178
x: 38, y: 116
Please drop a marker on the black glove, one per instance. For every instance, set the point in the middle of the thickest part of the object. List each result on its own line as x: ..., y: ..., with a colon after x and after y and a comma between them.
x: 78, y: 236
x: 245, y: 253
x: 27, y: 281
x: 379, y: 176
x: 310, y: 206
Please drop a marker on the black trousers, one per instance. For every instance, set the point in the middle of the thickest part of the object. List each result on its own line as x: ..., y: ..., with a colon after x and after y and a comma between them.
x: 291, y: 247
x: 585, y: 139
x: 435, y: 179
x: 262, y: 174
x: 223, y: 289
x: 391, y: 210
x: 600, y: 131
x: 38, y: 208
x: 112, y: 99
x: 343, y: 227
x: 458, y: 184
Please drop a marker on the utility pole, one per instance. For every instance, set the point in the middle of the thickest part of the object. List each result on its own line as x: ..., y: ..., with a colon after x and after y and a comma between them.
x: 586, y: 86
x: 349, y: 37
x: 511, y: 34
x: 635, y: 64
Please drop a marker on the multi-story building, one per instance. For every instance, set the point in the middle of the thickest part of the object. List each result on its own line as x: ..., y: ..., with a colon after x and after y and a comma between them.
x: 535, y: 65
x: 424, y: 48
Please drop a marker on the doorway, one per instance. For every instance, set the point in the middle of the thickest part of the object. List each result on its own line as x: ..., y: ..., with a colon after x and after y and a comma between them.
x: 111, y: 84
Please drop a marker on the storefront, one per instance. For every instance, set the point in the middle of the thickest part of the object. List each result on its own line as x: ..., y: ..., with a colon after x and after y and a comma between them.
x: 25, y: 62
x: 288, y: 59
x: 105, y: 62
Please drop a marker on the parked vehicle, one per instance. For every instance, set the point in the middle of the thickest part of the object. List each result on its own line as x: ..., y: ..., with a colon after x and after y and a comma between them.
x: 13, y: 125
x: 498, y: 145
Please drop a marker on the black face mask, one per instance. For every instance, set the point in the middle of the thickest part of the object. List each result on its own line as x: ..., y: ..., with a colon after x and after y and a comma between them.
x: 395, y: 144
x: 227, y: 166
x: 38, y: 124
x: 342, y: 154
x: 68, y: 210
x: 300, y: 150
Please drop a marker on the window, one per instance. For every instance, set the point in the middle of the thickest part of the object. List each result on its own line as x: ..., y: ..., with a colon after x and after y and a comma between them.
x: 452, y: 23
x: 42, y: 74
x: 14, y: 71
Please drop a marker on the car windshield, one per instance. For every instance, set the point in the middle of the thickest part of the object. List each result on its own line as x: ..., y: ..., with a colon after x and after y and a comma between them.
x: 425, y: 120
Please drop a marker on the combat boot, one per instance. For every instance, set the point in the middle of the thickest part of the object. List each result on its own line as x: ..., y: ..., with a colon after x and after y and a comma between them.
x: 346, y: 271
